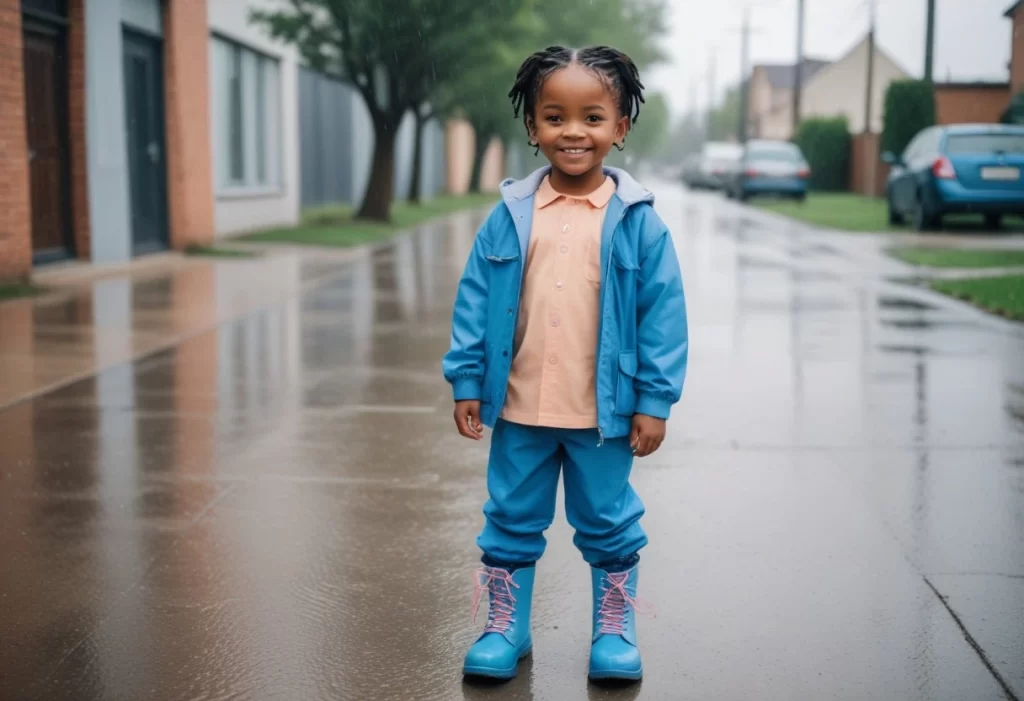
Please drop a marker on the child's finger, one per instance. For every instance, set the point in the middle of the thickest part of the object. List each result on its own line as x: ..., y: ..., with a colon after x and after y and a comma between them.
x: 467, y: 427
x: 474, y: 423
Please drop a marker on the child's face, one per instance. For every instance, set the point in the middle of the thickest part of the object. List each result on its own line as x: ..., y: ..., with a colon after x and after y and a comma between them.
x: 576, y: 120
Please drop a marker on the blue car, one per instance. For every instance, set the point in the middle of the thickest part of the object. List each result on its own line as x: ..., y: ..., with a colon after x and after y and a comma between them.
x: 956, y: 169
x: 776, y: 168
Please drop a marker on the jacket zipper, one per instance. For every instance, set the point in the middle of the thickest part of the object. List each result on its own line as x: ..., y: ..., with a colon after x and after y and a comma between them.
x: 600, y: 320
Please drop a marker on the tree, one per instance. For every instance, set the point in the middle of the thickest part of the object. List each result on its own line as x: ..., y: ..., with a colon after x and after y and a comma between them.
x: 394, y: 53
x: 825, y: 141
x: 723, y: 119
x: 646, y: 138
x: 480, y: 92
x: 909, y: 108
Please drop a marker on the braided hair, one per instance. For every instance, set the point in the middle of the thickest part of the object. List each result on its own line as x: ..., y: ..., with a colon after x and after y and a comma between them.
x: 615, y: 68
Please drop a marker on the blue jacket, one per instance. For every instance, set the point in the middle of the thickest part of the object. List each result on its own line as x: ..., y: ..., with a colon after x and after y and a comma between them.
x: 642, y: 334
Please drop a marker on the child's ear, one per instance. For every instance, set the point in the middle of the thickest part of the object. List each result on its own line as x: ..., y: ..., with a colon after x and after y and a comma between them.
x: 531, y: 131
x: 621, y: 130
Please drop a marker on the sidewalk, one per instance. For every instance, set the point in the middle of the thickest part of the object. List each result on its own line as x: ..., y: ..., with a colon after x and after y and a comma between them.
x: 97, y: 317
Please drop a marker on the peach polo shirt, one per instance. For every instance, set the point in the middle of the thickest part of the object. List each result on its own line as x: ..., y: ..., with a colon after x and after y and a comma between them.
x: 552, y: 379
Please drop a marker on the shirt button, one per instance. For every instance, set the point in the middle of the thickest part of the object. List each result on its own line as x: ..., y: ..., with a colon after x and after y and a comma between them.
x: 564, y: 249
x: 553, y: 360
x: 555, y: 321
x: 559, y: 285
x: 565, y: 228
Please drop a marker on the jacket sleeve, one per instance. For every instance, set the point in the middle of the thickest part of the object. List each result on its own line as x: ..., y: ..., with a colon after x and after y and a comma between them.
x: 662, y: 335
x: 463, y: 364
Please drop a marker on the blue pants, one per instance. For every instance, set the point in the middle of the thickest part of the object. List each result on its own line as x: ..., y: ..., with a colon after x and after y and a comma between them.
x: 522, y: 481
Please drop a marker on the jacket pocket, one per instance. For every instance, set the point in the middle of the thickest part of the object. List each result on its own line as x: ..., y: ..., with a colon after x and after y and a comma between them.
x: 494, y: 258
x: 625, y: 391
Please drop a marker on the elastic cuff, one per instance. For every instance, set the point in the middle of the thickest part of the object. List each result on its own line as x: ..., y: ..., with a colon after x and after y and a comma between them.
x: 466, y: 388
x: 510, y: 567
x: 619, y: 564
x: 653, y: 406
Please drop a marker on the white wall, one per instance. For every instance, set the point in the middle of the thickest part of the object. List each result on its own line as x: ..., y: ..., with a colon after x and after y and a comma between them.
x: 839, y: 89
x: 106, y: 148
x: 239, y: 211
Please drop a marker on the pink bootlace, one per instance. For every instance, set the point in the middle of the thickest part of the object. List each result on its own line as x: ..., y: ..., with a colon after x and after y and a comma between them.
x: 611, y: 614
x: 499, y: 583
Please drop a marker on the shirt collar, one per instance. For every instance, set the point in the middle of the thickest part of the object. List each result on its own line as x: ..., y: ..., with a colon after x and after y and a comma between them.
x: 546, y: 194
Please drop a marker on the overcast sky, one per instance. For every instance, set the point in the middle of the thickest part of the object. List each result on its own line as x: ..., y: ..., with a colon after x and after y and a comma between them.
x: 972, y: 39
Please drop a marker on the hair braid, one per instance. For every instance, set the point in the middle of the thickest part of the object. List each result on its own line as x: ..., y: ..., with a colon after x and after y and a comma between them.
x: 614, y: 67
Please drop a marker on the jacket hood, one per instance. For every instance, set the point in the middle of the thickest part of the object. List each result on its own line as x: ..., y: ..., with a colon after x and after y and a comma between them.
x: 626, y: 188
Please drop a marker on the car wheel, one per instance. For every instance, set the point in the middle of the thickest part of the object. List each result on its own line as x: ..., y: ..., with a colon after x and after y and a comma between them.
x: 923, y: 219
x: 993, y: 221
x: 801, y: 198
x: 895, y: 218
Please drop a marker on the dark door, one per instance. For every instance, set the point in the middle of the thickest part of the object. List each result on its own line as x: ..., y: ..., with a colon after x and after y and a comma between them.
x: 46, y: 112
x: 144, y: 126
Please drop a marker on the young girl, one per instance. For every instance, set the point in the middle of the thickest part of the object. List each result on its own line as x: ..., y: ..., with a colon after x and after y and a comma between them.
x: 569, y: 338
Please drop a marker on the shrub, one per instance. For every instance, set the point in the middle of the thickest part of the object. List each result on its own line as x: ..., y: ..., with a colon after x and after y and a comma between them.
x: 909, y: 108
x: 826, y: 145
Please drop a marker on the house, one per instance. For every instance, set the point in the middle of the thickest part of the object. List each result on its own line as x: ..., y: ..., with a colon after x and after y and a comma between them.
x: 959, y: 103
x: 1015, y: 13
x: 104, y: 146
x: 770, y: 106
x: 253, y: 87
x: 840, y: 88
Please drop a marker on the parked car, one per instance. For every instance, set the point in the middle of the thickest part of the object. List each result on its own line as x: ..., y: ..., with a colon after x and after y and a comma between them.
x: 691, y: 170
x: 770, y: 168
x: 718, y: 161
x: 961, y: 168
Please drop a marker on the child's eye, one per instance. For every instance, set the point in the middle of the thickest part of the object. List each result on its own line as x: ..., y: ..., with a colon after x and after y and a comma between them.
x: 593, y: 119
x: 553, y: 119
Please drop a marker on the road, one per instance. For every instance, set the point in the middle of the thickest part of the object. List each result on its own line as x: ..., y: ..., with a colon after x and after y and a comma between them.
x: 274, y: 503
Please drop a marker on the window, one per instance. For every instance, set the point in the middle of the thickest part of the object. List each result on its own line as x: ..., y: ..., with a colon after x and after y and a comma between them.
x: 245, y: 117
x: 985, y: 143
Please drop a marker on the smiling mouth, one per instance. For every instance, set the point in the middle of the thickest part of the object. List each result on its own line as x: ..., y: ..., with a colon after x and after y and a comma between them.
x: 574, y: 151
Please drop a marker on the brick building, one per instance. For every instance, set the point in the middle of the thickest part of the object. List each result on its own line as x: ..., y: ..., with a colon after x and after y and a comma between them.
x: 962, y: 103
x: 104, y: 130
x: 1016, y: 15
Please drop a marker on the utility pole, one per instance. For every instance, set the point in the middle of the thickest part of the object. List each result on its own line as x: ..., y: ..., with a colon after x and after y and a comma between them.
x: 870, y: 157
x: 870, y: 68
x: 741, y: 131
x: 798, y: 78
x: 711, y: 93
x: 929, y: 42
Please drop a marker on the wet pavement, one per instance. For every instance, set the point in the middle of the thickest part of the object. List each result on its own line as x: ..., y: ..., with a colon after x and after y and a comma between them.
x: 271, y: 502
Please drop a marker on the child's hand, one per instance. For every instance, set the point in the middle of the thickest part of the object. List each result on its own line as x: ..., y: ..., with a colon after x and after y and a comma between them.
x: 467, y: 419
x: 647, y: 435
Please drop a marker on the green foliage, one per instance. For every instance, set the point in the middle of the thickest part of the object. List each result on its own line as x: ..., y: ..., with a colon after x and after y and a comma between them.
x: 909, y: 108
x: 1014, y: 113
x: 826, y: 145
x: 650, y: 132
x: 725, y: 117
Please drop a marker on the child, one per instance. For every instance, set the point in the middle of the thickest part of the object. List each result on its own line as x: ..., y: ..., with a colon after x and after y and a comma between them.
x: 569, y: 338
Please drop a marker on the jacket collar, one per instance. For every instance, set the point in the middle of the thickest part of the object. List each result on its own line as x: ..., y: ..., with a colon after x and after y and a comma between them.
x: 626, y: 188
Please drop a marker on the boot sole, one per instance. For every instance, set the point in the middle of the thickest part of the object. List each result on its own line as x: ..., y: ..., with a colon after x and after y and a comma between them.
x: 491, y: 673
x: 617, y: 675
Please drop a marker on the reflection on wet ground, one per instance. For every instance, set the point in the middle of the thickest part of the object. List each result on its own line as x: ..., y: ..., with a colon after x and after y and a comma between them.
x: 270, y: 502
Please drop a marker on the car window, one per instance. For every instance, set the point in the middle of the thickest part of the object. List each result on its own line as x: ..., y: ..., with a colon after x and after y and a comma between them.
x: 780, y: 155
x: 984, y: 143
x: 931, y: 144
x: 910, y: 152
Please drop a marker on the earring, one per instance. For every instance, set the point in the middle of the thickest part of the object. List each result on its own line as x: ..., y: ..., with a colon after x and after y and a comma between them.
x: 621, y: 147
x: 536, y: 146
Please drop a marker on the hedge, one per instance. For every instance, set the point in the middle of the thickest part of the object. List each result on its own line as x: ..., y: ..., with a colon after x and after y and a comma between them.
x: 826, y: 145
x: 909, y: 108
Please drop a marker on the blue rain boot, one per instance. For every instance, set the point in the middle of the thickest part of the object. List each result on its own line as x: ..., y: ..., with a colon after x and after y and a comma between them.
x: 613, y: 650
x: 506, y: 638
